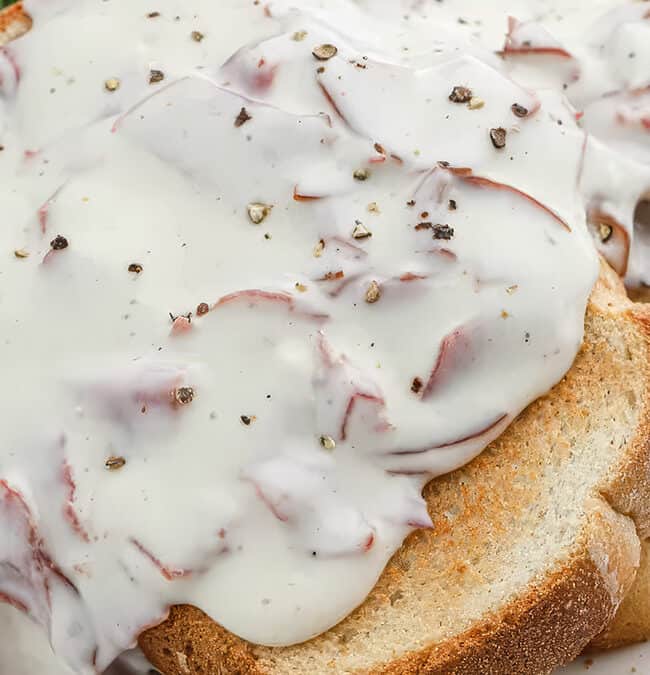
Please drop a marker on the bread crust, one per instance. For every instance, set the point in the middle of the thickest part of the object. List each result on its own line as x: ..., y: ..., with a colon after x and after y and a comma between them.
x: 632, y: 621
x: 534, y: 634
x: 553, y: 618
x: 549, y: 620
x: 632, y: 494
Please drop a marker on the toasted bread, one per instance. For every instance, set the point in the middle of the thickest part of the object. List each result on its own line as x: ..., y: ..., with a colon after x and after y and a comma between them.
x: 535, y: 542
x: 632, y: 621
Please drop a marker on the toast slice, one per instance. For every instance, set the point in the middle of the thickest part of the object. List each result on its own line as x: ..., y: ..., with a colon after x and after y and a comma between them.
x: 535, y: 542
x: 632, y: 621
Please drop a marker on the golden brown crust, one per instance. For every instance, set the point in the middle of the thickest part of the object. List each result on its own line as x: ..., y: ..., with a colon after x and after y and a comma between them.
x: 632, y: 621
x: 190, y: 642
x: 630, y: 493
x: 546, y: 625
x: 629, y: 490
x: 547, y: 628
x: 534, y: 631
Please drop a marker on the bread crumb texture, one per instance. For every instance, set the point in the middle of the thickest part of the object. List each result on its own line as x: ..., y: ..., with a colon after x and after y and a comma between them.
x: 535, y: 542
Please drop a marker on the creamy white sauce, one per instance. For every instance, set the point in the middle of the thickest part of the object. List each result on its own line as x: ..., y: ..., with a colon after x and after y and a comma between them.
x: 24, y: 650
x: 274, y: 498
x: 597, y: 54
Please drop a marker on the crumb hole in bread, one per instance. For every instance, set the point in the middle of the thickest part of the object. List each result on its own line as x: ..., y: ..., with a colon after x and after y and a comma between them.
x: 346, y: 636
x: 396, y: 596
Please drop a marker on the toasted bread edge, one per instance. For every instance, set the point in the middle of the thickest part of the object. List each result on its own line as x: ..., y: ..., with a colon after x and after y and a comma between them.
x: 548, y: 626
x: 539, y: 630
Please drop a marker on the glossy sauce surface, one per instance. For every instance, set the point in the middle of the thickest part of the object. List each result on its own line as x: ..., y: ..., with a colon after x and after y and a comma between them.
x: 269, y: 269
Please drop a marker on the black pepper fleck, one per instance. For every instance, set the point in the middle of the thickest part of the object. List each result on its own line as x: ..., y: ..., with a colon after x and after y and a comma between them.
x: 416, y: 385
x: 498, y: 137
x: 460, y: 94
x: 59, y: 243
x: 184, y: 395
x: 519, y: 110
x: 443, y: 232
x: 156, y: 76
x: 242, y: 118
